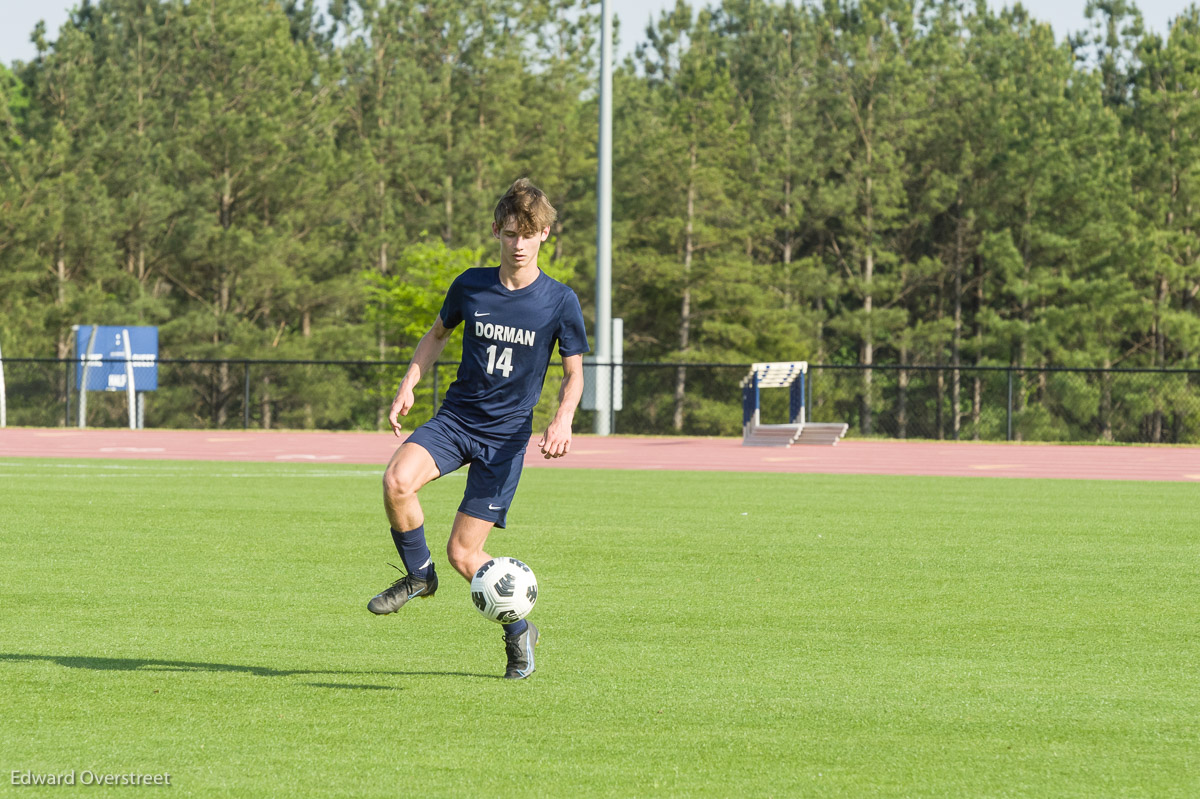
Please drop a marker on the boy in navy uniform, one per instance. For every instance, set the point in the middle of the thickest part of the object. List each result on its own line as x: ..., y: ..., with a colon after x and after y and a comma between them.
x: 513, y: 316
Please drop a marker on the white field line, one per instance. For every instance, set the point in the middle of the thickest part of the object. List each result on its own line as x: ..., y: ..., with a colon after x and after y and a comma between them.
x: 161, y: 470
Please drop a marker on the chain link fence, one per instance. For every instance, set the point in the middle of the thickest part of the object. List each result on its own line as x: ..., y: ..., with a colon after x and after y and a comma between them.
x: 1009, y: 403
x: 922, y: 402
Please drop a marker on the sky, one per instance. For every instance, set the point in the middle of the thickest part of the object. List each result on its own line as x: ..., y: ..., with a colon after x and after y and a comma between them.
x: 18, y: 17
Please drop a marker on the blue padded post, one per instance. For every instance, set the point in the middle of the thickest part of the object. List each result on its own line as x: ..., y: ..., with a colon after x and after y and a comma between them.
x: 749, y: 399
x: 796, y: 399
x: 806, y: 396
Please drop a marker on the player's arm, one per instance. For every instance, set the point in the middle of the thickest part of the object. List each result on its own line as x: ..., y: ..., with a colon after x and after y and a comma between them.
x: 556, y: 441
x: 428, y: 350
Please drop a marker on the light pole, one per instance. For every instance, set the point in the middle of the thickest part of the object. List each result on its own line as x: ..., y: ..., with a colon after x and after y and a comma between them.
x: 604, y: 372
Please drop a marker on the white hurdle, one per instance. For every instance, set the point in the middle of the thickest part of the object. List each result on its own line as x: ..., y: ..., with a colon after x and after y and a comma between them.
x: 791, y: 375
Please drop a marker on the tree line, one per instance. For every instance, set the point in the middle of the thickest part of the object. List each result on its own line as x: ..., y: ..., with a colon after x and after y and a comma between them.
x: 848, y: 182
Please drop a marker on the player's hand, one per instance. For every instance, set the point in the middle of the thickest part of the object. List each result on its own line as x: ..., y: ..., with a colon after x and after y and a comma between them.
x: 401, y: 405
x: 556, y: 441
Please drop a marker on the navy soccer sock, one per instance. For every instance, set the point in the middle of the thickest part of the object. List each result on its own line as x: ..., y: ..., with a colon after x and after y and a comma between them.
x: 516, y: 628
x: 414, y: 551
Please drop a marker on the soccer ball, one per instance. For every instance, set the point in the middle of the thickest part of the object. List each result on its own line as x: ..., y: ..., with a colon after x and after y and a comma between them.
x: 504, y: 590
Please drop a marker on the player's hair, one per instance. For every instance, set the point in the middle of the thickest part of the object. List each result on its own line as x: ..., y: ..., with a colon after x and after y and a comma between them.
x: 525, y: 204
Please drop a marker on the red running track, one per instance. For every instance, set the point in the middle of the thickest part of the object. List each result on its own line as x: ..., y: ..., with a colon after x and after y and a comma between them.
x: 959, y: 459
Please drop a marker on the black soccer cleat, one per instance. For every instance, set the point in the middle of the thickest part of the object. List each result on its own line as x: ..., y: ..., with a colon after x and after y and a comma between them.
x: 519, y: 649
x: 406, y: 588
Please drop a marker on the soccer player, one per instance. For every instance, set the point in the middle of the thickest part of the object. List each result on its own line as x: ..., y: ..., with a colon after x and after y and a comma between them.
x: 513, y: 316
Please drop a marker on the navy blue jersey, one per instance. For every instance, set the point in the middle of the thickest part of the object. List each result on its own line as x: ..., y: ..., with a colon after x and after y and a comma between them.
x: 508, y: 339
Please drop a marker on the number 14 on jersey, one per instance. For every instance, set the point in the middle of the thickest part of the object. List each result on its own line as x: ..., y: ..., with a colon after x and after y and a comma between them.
x: 504, y: 364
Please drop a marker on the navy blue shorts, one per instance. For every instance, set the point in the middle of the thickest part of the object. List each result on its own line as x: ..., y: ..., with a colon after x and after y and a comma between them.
x: 495, y: 469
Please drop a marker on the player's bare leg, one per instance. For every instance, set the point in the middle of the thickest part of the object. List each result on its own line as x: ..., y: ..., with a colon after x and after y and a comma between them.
x: 465, y: 547
x: 410, y: 468
x: 466, y: 555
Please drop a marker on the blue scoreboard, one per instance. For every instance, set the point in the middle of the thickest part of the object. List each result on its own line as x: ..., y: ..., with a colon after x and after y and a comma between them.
x: 104, y: 354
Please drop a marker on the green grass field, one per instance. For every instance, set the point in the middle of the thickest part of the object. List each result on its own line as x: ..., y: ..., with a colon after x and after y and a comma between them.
x: 704, y: 634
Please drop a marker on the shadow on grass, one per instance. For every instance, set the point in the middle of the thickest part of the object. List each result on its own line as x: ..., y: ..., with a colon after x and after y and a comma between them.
x: 142, y: 664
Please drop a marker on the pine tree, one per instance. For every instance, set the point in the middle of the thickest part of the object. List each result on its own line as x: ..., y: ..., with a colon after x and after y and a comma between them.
x: 131, y: 129
x: 691, y: 157
x: 872, y: 100
x: 1167, y: 117
x: 773, y: 63
x: 66, y: 229
x: 252, y: 148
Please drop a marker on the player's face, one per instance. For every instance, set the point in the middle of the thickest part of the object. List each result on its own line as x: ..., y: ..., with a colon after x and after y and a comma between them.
x: 518, y: 250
